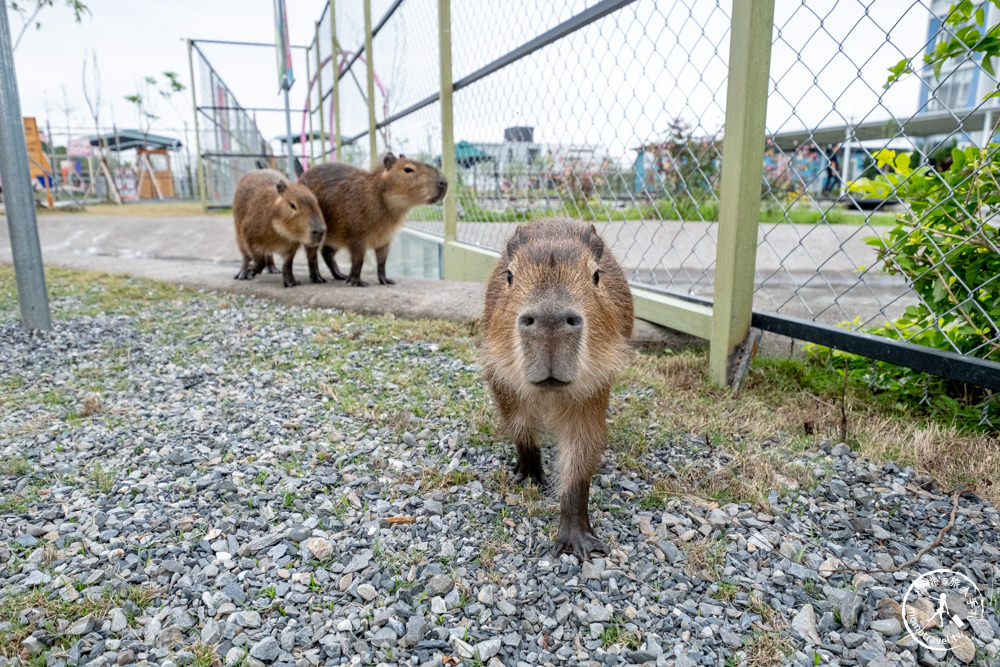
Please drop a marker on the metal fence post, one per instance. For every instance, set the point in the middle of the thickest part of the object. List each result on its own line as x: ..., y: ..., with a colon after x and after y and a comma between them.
x: 309, y: 111
x: 22, y: 225
x: 335, y: 96
x: 197, y: 133
x: 742, y: 167
x: 448, y: 165
x: 319, y: 97
x: 370, y: 70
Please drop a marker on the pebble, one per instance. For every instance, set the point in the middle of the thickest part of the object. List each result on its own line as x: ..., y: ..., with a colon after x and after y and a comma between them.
x: 250, y: 496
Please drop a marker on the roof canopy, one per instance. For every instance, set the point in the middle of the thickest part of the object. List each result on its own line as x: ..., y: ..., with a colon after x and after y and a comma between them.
x: 917, y: 125
x: 126, y: 140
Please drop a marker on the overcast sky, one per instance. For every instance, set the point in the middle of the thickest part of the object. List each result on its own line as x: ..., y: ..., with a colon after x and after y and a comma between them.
x: 617, y: 83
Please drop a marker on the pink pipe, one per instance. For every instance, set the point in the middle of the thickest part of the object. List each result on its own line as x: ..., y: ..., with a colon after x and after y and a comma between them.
x: 305, y: 110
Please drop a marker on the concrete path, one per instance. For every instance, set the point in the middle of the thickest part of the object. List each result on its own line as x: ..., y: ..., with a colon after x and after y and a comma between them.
x: 200, y: 252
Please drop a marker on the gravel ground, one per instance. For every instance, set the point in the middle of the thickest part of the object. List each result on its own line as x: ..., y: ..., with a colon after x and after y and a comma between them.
x: 221, y: 479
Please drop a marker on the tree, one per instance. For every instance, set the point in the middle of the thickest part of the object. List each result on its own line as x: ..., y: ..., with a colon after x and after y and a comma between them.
x: 143, y: 104
x: 22, y: 8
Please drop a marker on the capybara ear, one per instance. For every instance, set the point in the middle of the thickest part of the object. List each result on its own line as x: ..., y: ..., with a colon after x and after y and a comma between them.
x: 281, y: 186
x: 594, y: 242
x: 516, y: 241
x: 388, y: 160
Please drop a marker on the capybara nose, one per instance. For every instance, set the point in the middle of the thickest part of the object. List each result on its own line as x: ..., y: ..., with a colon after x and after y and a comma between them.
x: 566, y: 321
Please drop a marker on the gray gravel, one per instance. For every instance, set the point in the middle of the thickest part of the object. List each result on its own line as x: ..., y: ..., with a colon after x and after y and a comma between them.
x: 228, y: 474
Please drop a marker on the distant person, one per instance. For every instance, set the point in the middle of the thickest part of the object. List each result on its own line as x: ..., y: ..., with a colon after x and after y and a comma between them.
x: 832, y: 169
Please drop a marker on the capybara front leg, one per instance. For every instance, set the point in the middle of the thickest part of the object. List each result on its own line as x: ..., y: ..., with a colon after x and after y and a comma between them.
x: 381, y: 254
x: 575, y: 534
x: 286, y: 270
x: 244, y: 273
x: 582, y: 437
x: 313, y: 262
x: 259, y: 263
x: 357, y: 261
x: 331, y: 263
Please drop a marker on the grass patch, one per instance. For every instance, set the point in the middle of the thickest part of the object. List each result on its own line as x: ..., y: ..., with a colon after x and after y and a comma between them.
x: 785, y: 405
x: 14, y: 466
x: 764, y: 649
x: 617, y: 634
x: 705, y: 558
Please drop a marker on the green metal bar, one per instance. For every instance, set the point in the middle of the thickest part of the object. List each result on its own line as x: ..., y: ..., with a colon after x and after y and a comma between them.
x: 319, y: 97
x: 308, y: 111
x: 335, y: 60
x: 452, y: 268
x: 197, y: 134
x: 742, y: 164
x: 370, y: 71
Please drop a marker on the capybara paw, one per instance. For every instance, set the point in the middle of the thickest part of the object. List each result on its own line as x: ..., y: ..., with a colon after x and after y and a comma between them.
x: 579, y: 543
x: 524, y: 472
x: 356, y: 282
x: 273, y: 269
x: 317, y: 279
x: 382, y: 280
x: 291, y: 283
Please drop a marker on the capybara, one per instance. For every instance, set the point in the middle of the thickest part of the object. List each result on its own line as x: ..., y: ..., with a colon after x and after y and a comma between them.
x: 272, y: 215
x: 556, y: 323
x: 364, y: 209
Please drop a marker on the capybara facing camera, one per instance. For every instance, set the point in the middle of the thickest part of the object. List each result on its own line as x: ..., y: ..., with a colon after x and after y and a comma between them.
x: 364, y: 209
x: 556, y: 322
x: 272, y: 215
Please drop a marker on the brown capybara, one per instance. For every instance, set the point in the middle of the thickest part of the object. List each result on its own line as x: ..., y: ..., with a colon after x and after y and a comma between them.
x: 556, y: 323
x: 364, y: 209
x: 272, y: 215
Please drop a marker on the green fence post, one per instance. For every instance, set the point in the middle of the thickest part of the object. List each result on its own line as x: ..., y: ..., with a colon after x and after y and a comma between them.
x: 742, y: 165
x: 448, y: 165
x: 319, y: 97
x: 335, y: 96
x: 309, y: 111
x: 197, y: 133
x: 370, y: 70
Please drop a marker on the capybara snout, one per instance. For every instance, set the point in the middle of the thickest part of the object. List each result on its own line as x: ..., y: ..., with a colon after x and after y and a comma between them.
x: 550, y: 336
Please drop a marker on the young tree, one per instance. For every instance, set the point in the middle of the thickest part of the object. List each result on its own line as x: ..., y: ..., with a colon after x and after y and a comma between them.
x: 22, y: 8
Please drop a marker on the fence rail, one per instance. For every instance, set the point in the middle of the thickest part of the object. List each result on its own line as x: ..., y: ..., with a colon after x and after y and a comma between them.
x: 714, y: 143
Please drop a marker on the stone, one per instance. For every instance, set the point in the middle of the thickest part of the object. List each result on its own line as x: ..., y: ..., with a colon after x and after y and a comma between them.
x: 320, y: 547
x: 211, y: 633
x: 889, y: 627
x: 367, y: 592
x: 439, y: 584
x: 266, y: 650
x: 804, y: 623
x: 488, y: 648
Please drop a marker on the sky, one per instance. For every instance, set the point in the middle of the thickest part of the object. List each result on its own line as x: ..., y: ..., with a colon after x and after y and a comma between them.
x: 137, y: 38
x: 617, y: 83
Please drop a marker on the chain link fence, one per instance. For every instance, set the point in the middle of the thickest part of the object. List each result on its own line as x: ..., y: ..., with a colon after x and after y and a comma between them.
x: 229, y: 142
x: 614, y: 112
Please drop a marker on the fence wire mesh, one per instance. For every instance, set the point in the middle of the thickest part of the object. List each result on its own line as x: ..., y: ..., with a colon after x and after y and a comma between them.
x: 231, y: 144
x: 619, y: 119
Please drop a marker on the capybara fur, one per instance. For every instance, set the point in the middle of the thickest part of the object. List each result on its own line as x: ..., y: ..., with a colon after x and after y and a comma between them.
x: 556, y: 324
x: 272, y: 215
x: 364, y: 209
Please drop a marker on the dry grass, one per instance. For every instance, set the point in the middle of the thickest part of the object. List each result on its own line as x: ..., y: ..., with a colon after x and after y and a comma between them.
x: 704, y: 558
x: 764, y: 649
x: 790, y: 405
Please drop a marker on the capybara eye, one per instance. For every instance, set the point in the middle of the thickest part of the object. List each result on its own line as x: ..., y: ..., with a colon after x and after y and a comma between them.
x: 510, y: 277
x: 408, y: 170
x: 292, y: 204
x: 597, y: 276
